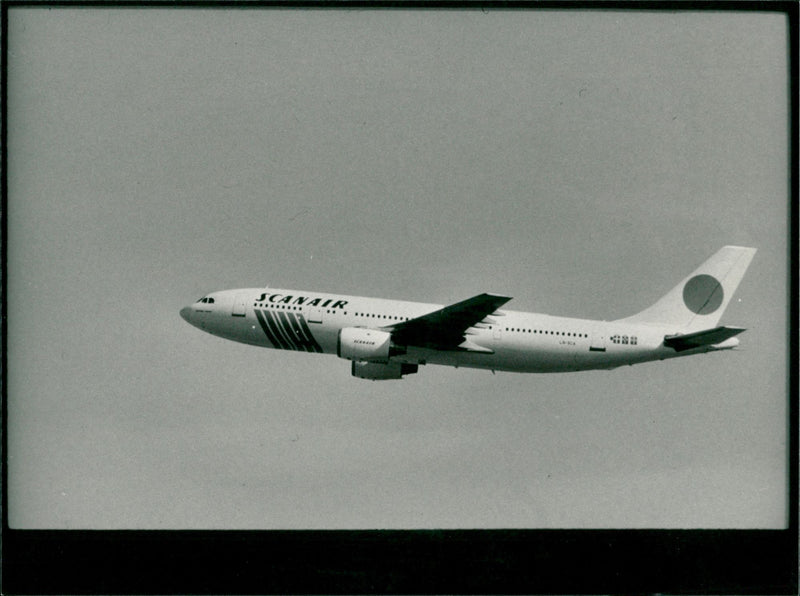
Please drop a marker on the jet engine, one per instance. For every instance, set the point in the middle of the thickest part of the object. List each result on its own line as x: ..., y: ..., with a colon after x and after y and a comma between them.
x: 379, y: 372
x: 368, y: 345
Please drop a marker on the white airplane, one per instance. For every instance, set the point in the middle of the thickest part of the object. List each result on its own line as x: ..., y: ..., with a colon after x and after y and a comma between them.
x: 386, y: 339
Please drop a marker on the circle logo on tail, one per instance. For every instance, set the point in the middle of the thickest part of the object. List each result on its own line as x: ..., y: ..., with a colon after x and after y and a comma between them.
x: 702, y: 294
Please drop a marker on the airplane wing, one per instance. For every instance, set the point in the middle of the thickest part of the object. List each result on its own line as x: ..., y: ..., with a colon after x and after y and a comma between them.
x: 445, y: 329
x: 700, y: 338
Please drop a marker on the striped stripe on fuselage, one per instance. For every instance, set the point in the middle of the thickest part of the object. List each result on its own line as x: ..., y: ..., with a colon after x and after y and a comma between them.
x: 287, y: 331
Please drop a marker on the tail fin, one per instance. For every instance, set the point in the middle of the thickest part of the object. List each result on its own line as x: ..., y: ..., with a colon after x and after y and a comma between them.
x: 700, y: 299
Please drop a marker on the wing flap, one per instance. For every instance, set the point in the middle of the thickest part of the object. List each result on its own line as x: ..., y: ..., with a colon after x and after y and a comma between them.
x: 707, y: 337
x: 445, y: 329
x: 470, y: 346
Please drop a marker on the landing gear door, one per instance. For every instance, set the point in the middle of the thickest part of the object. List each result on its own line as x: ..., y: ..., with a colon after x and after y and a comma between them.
x: 239, y: 305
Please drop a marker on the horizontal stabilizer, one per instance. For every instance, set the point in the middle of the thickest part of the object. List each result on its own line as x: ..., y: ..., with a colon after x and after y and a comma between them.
x: 707, y: 337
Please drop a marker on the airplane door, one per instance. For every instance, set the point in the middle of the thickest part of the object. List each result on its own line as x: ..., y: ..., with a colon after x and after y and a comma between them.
x: 315, y: 315
x: 239, y: 305
x: 598, y: 343
x: 497, y: 333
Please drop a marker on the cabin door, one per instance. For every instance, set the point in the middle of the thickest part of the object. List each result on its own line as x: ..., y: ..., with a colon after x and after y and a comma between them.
x: 598, y: 343
x: 239, y: 305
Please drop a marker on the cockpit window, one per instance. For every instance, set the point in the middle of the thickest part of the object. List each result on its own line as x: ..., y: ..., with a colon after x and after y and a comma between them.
x: 211, y: 301
x: 206, y: 300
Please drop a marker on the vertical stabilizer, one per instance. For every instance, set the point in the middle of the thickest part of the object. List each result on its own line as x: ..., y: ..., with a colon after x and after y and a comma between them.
x: 700, y: 299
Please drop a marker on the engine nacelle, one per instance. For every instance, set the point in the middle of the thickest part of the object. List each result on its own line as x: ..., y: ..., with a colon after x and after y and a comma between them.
x: 368, y: 345
x: 379, y: 372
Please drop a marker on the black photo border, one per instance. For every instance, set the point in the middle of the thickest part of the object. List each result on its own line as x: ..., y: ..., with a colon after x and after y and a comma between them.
x: 413, y: 562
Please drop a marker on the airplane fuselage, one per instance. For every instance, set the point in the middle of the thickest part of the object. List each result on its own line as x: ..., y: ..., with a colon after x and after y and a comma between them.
x: 387, y: 339
x: 513, y: 341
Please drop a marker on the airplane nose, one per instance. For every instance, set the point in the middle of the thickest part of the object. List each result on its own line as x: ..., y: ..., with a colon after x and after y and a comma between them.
x: 185, y: 312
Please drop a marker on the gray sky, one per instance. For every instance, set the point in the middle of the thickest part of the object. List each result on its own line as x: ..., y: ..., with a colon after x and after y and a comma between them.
x: 582, y: 162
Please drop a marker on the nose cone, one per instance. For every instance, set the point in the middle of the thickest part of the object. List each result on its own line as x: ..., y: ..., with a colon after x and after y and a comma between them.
x: 186, y: 311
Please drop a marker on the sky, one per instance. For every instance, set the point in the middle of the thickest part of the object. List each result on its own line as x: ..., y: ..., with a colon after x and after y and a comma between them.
x: 582, y: 162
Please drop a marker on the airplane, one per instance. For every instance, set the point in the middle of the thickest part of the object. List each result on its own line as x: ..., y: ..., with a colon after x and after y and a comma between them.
x: 388, y: 339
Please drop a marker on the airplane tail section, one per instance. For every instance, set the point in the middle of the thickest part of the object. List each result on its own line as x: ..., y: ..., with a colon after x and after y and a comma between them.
x: 697, y: 303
